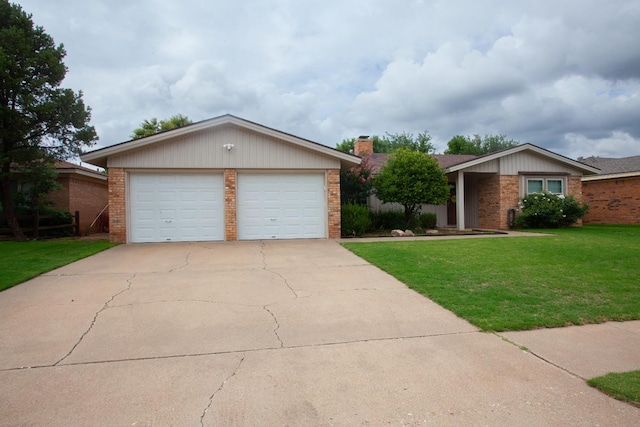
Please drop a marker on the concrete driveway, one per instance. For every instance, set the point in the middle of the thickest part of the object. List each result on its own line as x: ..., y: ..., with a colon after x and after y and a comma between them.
x: 263, y: 334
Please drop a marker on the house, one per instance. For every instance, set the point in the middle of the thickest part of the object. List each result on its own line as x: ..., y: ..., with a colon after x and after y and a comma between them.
x: 222, y: 179
x: 83, y: 190
x: 484, y: 188
x: 614, y: 194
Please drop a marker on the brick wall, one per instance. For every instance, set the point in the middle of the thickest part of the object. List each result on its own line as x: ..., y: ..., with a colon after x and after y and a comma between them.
x: 612, y: 201
x: 60, y: 197
x: 83, y: 194
x: 117, y: 207
x: 497, y: 193
x: 333, y: 202
x: 89, y: 197
x: 230, y: 205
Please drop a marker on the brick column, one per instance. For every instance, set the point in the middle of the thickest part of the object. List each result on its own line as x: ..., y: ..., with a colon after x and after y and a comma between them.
x: 117, y: 206
x: 509, y: 198
x: 230, y: 207
x: 333, y: 202
x: 574, y: 188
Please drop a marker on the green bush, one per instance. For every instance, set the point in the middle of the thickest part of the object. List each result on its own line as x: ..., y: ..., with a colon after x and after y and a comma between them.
x: 388, y: 220
x: 356, y: 220
x: 547, y: 210
x: 427, y: 220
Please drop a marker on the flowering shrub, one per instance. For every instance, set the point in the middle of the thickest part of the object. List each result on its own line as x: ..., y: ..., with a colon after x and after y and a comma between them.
x: 547, y: 210
x: 356, y: 183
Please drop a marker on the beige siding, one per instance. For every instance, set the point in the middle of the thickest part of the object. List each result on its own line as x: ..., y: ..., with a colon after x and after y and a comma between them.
x: 526, y: 161
x: 492, y: 166
x: 206, y: 150
x: 376, y: 205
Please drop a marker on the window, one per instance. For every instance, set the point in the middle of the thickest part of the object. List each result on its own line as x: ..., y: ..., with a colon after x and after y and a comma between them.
x: 552, y: 185
x: 534, y: 186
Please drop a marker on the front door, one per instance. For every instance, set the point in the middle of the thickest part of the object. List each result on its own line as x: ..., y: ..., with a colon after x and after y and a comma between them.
x: 451, y: 206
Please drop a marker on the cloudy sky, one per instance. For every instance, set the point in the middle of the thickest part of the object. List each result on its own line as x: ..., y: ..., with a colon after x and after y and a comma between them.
x: 564, y: 75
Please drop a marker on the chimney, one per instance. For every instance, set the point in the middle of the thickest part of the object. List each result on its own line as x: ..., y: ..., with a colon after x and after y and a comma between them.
x: 363, y: 146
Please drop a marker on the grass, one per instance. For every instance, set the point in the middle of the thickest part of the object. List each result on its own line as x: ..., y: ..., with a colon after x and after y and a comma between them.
x: 623, y: 386
x: 22, y: 261
x: 577, y: 276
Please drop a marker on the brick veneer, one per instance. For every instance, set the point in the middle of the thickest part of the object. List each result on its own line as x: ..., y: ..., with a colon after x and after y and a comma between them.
x: 230, y: 205
x: 497, y: 193
x: 612, y: 201
x: 117, y: 206
x: 333, y: 202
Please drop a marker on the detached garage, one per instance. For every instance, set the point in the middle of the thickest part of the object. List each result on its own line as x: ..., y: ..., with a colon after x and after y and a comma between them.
x: 222, y: 179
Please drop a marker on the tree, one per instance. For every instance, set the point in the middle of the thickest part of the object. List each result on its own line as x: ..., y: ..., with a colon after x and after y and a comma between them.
x: 39, y: 120
x: 412, y: 179
x: 153, y: 126
x: 392, y: 142
x: 406, y: 141
x: 477, y: 145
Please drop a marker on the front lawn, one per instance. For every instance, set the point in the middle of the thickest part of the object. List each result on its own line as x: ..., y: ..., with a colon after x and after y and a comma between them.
x: 624, y: 386
x: 577, y: 276
x: 24, y: 260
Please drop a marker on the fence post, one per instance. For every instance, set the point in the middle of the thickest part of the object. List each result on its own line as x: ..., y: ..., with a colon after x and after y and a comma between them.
x: 78, y: 223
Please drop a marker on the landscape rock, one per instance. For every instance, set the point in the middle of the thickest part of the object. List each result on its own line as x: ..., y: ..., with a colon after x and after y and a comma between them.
x: 431, y: 231
x: 408, y: 233
x: 397, y: 233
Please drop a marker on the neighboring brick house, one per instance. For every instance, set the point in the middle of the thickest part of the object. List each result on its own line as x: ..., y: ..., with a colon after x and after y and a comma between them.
x: 613, y: 195
x: 222, y: 179
x: 83, y: 190
x: 484, y: 188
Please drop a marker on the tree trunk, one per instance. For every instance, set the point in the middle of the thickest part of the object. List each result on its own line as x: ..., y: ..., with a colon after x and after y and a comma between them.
x: 7, y: 208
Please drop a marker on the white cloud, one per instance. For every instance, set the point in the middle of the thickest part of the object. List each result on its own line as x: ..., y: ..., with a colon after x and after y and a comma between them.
x: 562, y: 75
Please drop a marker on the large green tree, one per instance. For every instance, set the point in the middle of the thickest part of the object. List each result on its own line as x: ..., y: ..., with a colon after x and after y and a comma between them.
x: 153, y: 126
x: 39, y: 120
x: 478, y: 145
x: 391, y: 142
x: 411, y: 178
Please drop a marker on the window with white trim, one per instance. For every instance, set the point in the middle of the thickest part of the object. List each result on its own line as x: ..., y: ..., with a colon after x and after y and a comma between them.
x: 552, y: 185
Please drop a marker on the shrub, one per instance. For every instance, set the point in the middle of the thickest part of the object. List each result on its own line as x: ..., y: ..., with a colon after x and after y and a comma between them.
x: 428, y: 220
x: 388, y: 220
x: 547, y: 210
x: 355, y: 220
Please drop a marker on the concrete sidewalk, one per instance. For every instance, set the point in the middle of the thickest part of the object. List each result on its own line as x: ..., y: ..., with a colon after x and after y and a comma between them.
x: 269, y: 334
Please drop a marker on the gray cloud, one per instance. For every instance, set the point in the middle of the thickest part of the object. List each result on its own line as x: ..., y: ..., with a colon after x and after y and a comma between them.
x: 565, y: 76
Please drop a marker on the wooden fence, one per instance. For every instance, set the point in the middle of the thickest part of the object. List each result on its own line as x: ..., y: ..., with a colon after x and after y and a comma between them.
x: 35, y: 227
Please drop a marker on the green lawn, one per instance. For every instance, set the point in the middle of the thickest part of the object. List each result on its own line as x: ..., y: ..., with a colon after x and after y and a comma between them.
x: 24, y: 260
x: 577, y: 276
x: 624, y: 386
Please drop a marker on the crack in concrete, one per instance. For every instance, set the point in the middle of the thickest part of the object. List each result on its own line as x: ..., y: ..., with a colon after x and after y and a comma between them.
x: 244, y: 351
x: 534, y: 354
x: 134, y: 304
x: 186, y: 263
x: 204, y: 413
x: 265, y: 268
x: 275, y: 331
x: 95, y: 318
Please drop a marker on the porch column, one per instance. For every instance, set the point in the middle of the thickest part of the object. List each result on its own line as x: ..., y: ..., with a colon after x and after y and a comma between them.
x: 460, y: 200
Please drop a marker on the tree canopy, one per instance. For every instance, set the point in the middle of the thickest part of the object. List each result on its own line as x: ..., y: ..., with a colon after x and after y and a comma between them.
x: 39, y: 121
x: 391, y: 142
x: 153, y: 126
x: 478, y: 145
x: 411, y: 178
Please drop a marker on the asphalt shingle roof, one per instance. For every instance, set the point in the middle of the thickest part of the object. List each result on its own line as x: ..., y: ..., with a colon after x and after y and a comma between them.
x: 608, y: 165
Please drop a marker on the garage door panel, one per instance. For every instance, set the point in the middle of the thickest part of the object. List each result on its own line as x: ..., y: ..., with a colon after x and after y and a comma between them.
x: 176, y: 207
x: 281, y: 206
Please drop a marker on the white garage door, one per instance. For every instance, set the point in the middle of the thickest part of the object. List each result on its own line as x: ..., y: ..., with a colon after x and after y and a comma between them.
x: 281, y: 206
x: 176, y: 207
